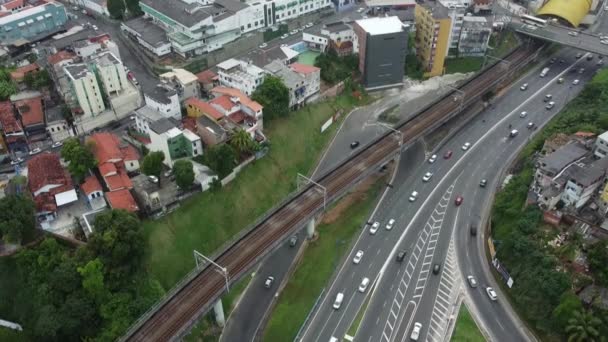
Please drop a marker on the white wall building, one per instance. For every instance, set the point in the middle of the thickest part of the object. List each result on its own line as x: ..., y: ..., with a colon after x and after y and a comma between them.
x: 98, y: 6
x: 173, y: 142
x: 144, y: 116
x: 112, y: 73
x: 84, y: 89
x: 246, y: 77
x: 456, y: 11
x: 303, y: 81
x: 164, y: 99
x: 601, y: 145
x: 184, y: 82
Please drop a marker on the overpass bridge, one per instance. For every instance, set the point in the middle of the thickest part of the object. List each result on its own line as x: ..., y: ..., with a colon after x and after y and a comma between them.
x: 173, y: 316
x: 577, y: 39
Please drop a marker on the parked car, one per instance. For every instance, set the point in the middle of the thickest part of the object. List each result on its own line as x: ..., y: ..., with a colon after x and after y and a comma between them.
x: 573, y: 33
x: 491, y: 293
x: 432, y: 159
x: 390, y: 224
x: 17, y: 161
x: 35, y: 151
x: 427, y: 177
x: 268, y: 282
x: 263, y: 46
x: 57, y: 144
x: 309, y: 25
x: 354, y: 144
x: 358, y: 257
x: 284, y: 36
x: 153, y: 179
x: 472, y: 281
x: 293, y: 32
x: 293, y: 241
x: 458, y: 200
x: 448, y: 154
x: 413, y: 196
x: 374, y: 228
x: 401, y: 255
x: 416, y: 331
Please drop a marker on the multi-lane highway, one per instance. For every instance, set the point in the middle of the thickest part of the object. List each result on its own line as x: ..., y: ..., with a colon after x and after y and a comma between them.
x: 433, y: 230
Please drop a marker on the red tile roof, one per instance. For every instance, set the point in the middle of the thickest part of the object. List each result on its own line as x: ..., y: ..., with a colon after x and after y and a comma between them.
x: 245, y: 100
x: 189, y: 123
x: 122, y: 199
x: 11, y: 5
x: 90, y: 185
x: 129, y: 153
x: 206, y: 76
x: 584, y: 134
x: 7, y: 118
x: 223, y: 101
x: 60, y: 56
x: 31, y: 111
x: 107, y: 147
x: 303, y: 68
x: 204, y: 107
x: 118, y: 181
x: 44, y: 169
x: 19, y: 73
x: 107, y: 169
x: 237, y: 116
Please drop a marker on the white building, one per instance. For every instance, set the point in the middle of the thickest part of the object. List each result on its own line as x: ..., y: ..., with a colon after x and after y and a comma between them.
x: 147, y: 34
x: 175, y: 143
x: 456, y: 11
x: 144, y: 116
x: 99, y: 7
x: 164, y: 99
x: 84, y: 89
x: 582, y: 181
x: 183, y: 81
x: 241, y: 75
x: 601, y: 145
x: 337, y: 36
x: 112, y: 73
x: 56, y: 126
x: 474, y: 37
x: 88, y: 48
x: 303, y: 81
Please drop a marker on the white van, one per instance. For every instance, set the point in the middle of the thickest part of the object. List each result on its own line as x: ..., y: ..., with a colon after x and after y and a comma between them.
x: 363, y: 285
x: 333, y: 339
x: 339, y: 299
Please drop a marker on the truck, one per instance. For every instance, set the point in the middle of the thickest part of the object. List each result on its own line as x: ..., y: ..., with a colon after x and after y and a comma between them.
x: 544, y: 72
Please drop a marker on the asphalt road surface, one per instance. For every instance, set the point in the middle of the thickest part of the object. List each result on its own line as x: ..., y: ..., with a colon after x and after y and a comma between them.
x: 433, y: 230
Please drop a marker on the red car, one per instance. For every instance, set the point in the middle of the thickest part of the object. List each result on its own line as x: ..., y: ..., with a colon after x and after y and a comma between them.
x: 448, y: 154
x: 458, y: 200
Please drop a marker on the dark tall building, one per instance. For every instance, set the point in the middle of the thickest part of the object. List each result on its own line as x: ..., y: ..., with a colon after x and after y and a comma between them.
x: 382, y: 50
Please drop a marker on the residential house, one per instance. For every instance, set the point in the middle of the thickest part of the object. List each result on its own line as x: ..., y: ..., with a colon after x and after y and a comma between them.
x: 303, y: 81
x: 144, y: 116
x: 552, y: 165
x: 382, y: 50
x: 32, y: 23
x: 50, y: 185
x: 56, y: 125
x: 601, y: 145
x: 230, y: 100
x: 210, y: 131
x: 456, y: 10
x: 338, y: 36
x: 14, y: 137
x: 152, y: 198
x: 174, y: 142
x: 85, y: 92
x: 207, y: 80
x: 582, y: 181
x: 115, y: 160
x: 56, y: 62
x: 244, y: 76
x: 183, y: 81
x: 31, y: 113
x: 165, y: 100
x: 18, y: 75
x: 92, y: 189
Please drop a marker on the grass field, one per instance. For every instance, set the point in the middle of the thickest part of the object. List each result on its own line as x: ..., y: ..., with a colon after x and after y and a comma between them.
x: 463, y: 64
x: 319, y: 262
x: 466, y: 330
x: 208, y: 220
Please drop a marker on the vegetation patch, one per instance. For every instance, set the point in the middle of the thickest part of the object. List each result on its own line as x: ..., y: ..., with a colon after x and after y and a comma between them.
x: 335, y: 69
x: 466, y: 329
x: 463, y: 65
x: 270, y: 34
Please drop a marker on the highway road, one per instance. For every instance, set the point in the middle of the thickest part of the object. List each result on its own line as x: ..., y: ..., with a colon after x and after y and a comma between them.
x: 434, y: 230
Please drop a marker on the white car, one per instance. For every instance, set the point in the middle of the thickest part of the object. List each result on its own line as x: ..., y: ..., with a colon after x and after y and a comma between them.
x: 17, y: 161
x: 35, y: 151
x: 523, y: 87
x: 416, y: 331
x: 309, y: 25
x: 293, y: 32
x: 374, y: 228
x: 523, y: 114
x: 390, y: 224
x: 491, y: 293
x: 358, y: 256
x: 57, y: 144
x: 284, y: 36
x: 413, y: 196
x: 466, y: 146
x: 363, y: 285
x: 573, y: 33
x: 427, y: 177
x: 472, y: 281
x: 605, y: 42
x: 95, y: 28
x: 575, y: 82
x: 263, y: 45
x: 432, y: 159
x: 360, y: 10
x: 268, y: 282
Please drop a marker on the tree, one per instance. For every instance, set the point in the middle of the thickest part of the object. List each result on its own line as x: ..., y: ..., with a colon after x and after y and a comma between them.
x: 242, y: 142
x: 598, y: 261
x: 7, y: 88
x: 116, y: 8
x: 184, y: 175
x: 92, y: 280
x: 274, y: 96
x: 569, y: 303
x: 583, y: 327
x: 153, y: 164
x: 17, y: 220
x: 37, y: 80
x: 119, y: 244
x: 79, y: 157
x: 221, y: 159
x: 133, y: 7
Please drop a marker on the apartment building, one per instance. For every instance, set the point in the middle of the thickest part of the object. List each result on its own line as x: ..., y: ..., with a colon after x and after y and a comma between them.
x: 244, y: 76
x: 433, y: 28
x: 456, y: 10
x: 165, y: 100
x: 184, y: 82
x: 601, y: 145
x: 22, y: 24
x: 474, y: 37
x: 174, y: 142
x: 195, y: 27
x: 85, y: 92
x: 111, y: 72
x: 382, y: 50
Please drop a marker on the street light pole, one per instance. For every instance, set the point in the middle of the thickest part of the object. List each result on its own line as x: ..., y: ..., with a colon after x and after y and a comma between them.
x: 397, y: 132
x: 300, y: 176
x: 222, y: 270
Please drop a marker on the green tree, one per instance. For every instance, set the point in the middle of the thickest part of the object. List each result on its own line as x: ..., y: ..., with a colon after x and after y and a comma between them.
x: 184, y: 174
x: 7, y: 88
x: 597, y: 256
x: 116, y: 8
x: 569, y: 303
x: 221, y: 159
x: 17, y: 220
x: 133, y: 7
x: 79, y: 157
x: 37, y: 80
x: 274, y: 96
x: 92, y: 280
x: 583, y: 327
x: 242, y: 142
x: 153, y: 164
x: 119, y: 243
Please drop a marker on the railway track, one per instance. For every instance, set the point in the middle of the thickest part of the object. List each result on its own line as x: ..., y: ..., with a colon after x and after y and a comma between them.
x: 176, y: 314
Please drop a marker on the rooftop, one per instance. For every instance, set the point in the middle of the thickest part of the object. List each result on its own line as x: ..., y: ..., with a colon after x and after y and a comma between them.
x: 149, y: 113
x: 381, y: 25
x: 25, y: 13
x: 90, y: 185
x: 303, y: 68
x: 149, y: 32
x: 161, y: 94
x: 77, y: 71
x: 558, y: 160
x: 224, y: 102
x: 31, y: 111
x: 7, y: 119
x: 206, y: 76
x: 337, y: 27
x: 122, y: 199
x: 232, y: 5
x: 107, y: 59
x: 183, y: 76
x: 162, y: 126
x: 587, y: 174
x: 436, y: 8
x: 60, y: 56
x: 109, y: 148
x: 245, y: 100
x: 291, y: 78
x: 391, y: 3
x: 19, y: 73
x: 185, y: 14
x: 45, y: 169
x: 204, y: 107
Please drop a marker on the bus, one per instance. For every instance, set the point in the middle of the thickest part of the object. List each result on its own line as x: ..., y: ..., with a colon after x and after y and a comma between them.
x: 531, y: 20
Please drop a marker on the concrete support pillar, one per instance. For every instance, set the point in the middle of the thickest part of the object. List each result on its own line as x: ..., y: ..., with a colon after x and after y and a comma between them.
x: 218, y: 309
x: 310, y: 228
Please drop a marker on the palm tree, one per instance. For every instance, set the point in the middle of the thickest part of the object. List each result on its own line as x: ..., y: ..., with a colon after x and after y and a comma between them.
x: 583, y: 327
x: 242, y: 142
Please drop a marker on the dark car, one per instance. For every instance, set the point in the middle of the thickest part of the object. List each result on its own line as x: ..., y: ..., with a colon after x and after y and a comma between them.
x: 458, y: 200
x: 448, y: 154
x: 553, y: 60
x: 401, y: 255
x: 483, y: 183
x: 579, y: 55
x: 436, y: 268
x: 473, y: 229
x: 354, y: 144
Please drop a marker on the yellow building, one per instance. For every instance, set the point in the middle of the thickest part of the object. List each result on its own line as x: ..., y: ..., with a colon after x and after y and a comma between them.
x: 433, y: 26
